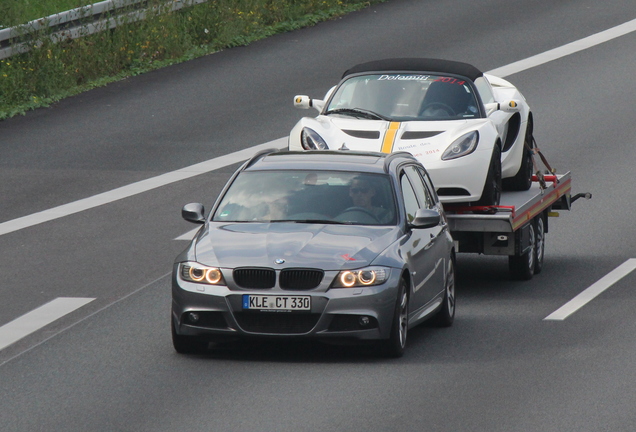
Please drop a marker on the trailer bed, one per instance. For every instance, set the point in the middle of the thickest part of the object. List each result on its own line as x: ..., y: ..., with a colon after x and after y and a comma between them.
x: 515, y: 209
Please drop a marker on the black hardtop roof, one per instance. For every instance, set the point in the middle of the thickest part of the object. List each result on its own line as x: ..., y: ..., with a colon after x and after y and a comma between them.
x: 417, y: 65
x: 328, y: 160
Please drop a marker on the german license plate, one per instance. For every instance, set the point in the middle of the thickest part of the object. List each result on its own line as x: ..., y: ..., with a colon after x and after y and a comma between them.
x: 276, y: 302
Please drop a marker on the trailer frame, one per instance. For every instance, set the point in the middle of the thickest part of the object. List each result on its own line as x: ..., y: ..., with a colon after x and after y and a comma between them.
x: 517, y: 226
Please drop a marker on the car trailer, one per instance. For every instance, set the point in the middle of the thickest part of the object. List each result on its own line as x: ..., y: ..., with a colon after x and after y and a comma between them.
x: 517, y: 227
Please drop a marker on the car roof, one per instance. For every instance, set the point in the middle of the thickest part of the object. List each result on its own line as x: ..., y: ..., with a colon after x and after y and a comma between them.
x: 417, y: 65
x: 335, y: 160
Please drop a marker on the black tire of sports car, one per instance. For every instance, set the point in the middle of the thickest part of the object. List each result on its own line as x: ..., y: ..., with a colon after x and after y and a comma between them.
x: 523, y: 179
x: 187, y: 344
x: 446, y: 314
x: 539, y: 243
x: 522, y: 266
x: 395, y: 345
x: 492, y: 188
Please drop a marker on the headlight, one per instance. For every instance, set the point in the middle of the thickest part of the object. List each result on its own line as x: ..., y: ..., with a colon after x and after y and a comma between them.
x: 310, y: 140
x: 462, y: 146
x: 359, y: 278
x: 198, y: 273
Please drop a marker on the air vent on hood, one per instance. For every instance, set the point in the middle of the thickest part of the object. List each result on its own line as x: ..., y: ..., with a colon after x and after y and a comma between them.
x: 363, y: 134
x: 419, y: 134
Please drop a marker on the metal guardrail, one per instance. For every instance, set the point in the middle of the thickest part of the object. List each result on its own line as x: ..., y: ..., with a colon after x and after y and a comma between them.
x: 81, y: 22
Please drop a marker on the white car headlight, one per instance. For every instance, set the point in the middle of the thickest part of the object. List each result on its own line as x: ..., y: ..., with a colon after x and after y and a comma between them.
x: 462, y: 146
x: 360, y: 278
x: 198, y: 273
x: 310, y: 140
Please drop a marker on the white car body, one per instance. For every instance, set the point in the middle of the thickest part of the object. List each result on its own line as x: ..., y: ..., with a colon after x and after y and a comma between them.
x: 499, y: 114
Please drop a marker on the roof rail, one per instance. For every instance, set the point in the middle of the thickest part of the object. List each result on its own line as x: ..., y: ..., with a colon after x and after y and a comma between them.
x: 389, y: 158
x: 258, y: 156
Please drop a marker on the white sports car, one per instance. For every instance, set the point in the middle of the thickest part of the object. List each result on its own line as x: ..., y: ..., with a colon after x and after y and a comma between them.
x: 472, y: 131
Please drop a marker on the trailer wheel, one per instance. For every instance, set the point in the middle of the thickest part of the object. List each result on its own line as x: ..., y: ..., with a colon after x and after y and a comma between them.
x: 539, y: 244
x: 522, y: 266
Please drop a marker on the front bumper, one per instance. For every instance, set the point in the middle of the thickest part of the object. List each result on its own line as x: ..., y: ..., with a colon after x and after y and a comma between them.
x: 361, y: 313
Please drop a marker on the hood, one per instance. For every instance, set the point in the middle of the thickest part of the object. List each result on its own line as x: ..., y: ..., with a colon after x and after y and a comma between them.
x: 426, y: 140
x: 328, y: 247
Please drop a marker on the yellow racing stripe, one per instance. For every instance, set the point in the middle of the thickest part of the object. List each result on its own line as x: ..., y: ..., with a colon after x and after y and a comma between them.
x: 389, y: 137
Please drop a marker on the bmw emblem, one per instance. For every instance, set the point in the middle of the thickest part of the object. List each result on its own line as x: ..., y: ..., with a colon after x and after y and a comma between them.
x: 279, y: 261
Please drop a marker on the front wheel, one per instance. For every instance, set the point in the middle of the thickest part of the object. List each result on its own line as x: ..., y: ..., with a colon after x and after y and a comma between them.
x: 395, y: 345
x: 446, y: 315
x: 492, y: 188
x: 187, y: 344
x: 523, y: 179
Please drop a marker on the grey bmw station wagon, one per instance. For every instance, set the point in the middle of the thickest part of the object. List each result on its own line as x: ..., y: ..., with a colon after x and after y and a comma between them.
x: 333, y: 245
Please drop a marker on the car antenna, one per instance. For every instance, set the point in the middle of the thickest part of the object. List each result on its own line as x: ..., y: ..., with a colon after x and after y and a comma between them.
x: 344, y: 147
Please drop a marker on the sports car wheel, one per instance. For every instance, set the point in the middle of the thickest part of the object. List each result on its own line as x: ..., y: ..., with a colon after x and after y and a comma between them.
x: 492, y: 188
x: 395, y: 345
x: 187, y: 344
x: 540, y: 244
x: 446, y: 315
x: 523, y: 179
x: 522, y: 266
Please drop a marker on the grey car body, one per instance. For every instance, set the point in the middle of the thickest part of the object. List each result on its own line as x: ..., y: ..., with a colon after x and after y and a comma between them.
x: 284, y: 253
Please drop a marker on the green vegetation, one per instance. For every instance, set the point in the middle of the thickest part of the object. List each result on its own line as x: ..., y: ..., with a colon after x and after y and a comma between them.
x: 51, y: 71
x: 15, y: 12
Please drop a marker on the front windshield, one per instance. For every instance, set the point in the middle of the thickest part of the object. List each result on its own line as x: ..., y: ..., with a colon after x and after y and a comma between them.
x: 403, y: 97
x: 308, y: 197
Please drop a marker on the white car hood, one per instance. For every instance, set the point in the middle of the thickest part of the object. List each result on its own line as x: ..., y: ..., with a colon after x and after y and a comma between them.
x: 426, y: 140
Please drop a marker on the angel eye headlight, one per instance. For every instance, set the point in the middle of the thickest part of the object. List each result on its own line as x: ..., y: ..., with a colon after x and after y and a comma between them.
x: 462, y: 146
x: 194, y: 272
x: 358, y: 278
x: 310, y: 140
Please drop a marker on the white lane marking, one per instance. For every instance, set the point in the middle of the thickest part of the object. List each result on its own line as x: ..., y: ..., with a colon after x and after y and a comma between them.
x: 188, y: 236
x: 567, y: 49
x: 592, y: 291
x: 220, y: 162
x: 136, y: 188
x: 38, y: 318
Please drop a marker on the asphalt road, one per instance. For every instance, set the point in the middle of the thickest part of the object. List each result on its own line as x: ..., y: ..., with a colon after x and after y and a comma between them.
x: 109, y: 365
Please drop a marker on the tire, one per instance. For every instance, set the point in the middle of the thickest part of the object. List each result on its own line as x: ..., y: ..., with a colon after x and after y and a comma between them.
x: 539, y: 243
x: 492, y: 187
x: 187, y: 344
x: 522, y: 266
x: 446, y: 315
x: 395, y: 345
x: 523, y: 179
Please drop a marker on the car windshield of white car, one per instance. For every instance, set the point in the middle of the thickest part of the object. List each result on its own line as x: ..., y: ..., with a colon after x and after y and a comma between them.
x: 329, y: 197
x: 404, y: 97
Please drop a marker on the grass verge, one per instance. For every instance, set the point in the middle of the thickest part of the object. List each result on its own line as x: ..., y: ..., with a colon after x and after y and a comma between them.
x: 50, y: 71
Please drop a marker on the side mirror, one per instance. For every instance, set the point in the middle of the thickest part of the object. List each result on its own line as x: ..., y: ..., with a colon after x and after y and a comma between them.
x: 511, y: 106
x: 193, y: 212
x: 426, y: 218
x: 305, y: 102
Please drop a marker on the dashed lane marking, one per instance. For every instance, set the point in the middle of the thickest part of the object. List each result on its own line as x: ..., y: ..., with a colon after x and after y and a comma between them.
x: 592, y: 291
x: 38, y: 318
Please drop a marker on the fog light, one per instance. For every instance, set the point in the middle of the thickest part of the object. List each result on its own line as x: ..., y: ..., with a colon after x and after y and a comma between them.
x: 364, y: 321
x: 193, y: 317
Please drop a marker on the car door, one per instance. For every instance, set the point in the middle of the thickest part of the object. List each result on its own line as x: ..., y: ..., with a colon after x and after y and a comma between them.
x: 421, y: 250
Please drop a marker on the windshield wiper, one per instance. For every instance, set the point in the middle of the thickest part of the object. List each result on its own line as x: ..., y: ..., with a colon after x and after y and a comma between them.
x: 311, y: 221
x: 358, y: 112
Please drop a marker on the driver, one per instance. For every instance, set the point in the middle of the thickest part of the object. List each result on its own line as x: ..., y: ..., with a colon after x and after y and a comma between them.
x: 362, y: 192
